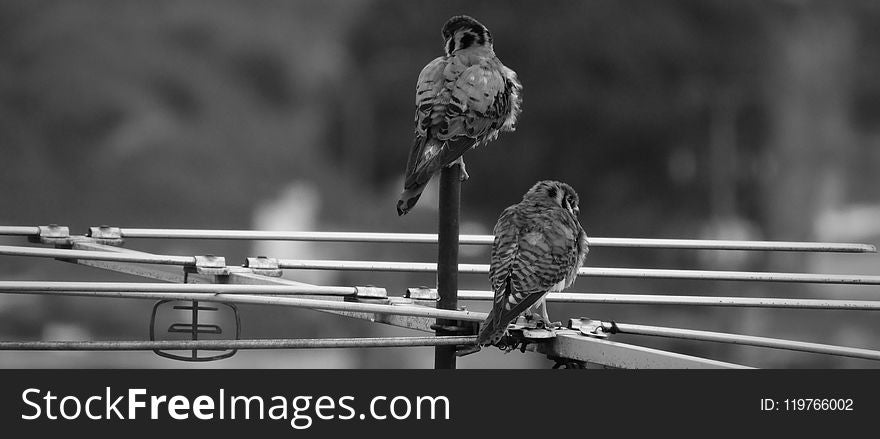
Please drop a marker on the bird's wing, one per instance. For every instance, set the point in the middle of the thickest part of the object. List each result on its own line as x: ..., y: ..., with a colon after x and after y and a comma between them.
x: 478, y: 103
x: 429, y: 87
x: 534, y: 251
x: 582, y: 250
x: 460, y: 103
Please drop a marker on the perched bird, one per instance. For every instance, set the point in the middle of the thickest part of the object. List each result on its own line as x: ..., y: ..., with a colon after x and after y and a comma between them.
x: 463, y: 99
x: 539, y: 247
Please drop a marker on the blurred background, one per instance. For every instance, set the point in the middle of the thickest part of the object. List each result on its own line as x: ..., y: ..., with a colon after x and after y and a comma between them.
x: 677, y: 119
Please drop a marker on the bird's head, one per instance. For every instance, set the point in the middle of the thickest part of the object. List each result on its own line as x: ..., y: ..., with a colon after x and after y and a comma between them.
x: 555, y: 193
x: 461, y: 32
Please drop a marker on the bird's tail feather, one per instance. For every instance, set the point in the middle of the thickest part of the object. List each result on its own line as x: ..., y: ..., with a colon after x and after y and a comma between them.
x: 490, y: 330
x: 408, y: 198
x: 418, y: 172
x: 427, y: 156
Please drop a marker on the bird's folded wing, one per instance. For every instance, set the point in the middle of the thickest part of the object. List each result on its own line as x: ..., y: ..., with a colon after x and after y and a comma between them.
x: 478, y: 103
x: 533, y: 252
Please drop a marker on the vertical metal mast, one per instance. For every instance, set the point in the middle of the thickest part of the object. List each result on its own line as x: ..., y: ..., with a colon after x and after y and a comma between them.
x: 447, y: 257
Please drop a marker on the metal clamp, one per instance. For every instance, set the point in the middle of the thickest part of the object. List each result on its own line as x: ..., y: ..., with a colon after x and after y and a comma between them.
x: 592, y: 328
x: 107, y: 235
x: 532, y: 329
x: 371, y: 292
x: 265, y: 266
x: 52, y: 234
x: 422, y: 293
x: 210, y: 265
x: 459, y: 327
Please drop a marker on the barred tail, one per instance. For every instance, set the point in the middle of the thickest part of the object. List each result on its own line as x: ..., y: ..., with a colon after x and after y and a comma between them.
x: 491, y: 331
x: 408, y: 198
x: 427, y: 156
x: 419, y: 169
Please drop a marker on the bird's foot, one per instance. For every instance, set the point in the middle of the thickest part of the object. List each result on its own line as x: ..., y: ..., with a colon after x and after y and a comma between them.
x: 541, y: 322
x: 517, y: 345
x: 464, y: 175
x: 461, y: 351
x: 509, y: 343
x: 568, y: 363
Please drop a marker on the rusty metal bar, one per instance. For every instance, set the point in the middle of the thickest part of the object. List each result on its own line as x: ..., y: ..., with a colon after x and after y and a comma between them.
x: 447, y: 258
x: 720, y: 337
x: 59, y: 253
x: 621, y: 355
x: 757, y: 276
x: 655, y: 299
x: 303, y: 343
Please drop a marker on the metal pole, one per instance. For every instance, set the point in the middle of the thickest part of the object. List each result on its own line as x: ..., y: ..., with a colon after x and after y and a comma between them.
x: 447, y: 258
x: 658, y: 299
x: 294, y: 302
x: 19, y: 231
x: 644, y: 273
x: 59, y: 253
x: 428, y: 238
x: 294, y: 343
x: 145, y: 287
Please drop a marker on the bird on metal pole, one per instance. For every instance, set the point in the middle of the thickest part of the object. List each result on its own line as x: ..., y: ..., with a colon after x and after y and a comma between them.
x: 538, y: 248
x: 463, y: 100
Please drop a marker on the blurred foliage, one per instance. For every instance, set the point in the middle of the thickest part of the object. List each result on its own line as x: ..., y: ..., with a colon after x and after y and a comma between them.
x: 672, y: 119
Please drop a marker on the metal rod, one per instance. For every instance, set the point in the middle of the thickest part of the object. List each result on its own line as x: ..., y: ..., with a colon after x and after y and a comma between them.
x: 238, y: 275
x: 294, y: 302
x: 19, y: 231
x: 40, y: 286
x: 303, y: 343
x: 447, y: 257
x: 58, y: 253
x: 653, y: 299
x: 753, y: 276
x: 427, y: 238
x: 766, y: 342
x: 592, y: 271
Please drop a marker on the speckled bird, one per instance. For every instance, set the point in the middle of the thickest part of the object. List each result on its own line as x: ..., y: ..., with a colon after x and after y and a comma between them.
x: 463, y: 99
x: 539, y: 247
